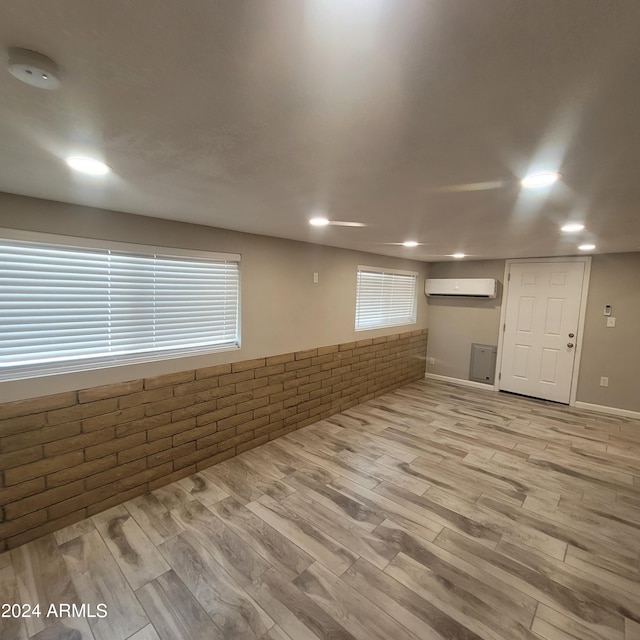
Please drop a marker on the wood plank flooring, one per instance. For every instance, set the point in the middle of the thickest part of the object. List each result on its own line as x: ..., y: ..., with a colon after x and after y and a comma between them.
x: 433, y: 512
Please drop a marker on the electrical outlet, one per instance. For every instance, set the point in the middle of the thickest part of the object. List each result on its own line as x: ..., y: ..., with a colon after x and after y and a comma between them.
x: 315, y: 277
x: 604, y: 381
x: 611, y: 321
x: 431, y: 360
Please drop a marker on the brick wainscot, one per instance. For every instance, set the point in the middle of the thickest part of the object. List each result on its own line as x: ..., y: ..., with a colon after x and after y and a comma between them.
x: 68, y: 456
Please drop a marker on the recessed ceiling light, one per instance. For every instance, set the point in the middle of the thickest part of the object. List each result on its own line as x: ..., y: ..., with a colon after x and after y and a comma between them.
x: 319, y: 222
x: 587, y: 247
x: 88, y: 165
x: 458, y: 255
x: 410, y: 243
x: 572, y: 227
x: 543, y: 179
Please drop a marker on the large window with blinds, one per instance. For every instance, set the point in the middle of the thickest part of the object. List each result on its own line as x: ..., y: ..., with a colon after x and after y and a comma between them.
x: 65, y: 307
x: 385, y: 297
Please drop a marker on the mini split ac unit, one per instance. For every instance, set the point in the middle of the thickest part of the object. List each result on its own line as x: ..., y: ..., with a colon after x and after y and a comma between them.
x: 461, y: 287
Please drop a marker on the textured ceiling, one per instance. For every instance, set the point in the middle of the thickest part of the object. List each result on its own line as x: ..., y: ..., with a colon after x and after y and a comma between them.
x: 415, y: 117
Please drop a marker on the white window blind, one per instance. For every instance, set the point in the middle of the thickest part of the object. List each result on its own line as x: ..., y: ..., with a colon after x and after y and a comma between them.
x: 385, y: 297
x: 64, y: 308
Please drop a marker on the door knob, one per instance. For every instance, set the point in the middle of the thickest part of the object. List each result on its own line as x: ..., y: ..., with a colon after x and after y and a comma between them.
x: 570, y: 345
x: 571, y: 335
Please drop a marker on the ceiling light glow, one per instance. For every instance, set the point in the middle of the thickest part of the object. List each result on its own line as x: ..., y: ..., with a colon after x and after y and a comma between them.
x: 587, y: 247
x: 90, y: 166
x: 458, y: 255
x: 572, y: 227
x: 319, y: 222
x: 343, y: 223
x: 410, y: 243
x: 543, y: 179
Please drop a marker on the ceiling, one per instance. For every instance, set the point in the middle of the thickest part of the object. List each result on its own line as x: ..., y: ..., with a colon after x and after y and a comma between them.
x: 415, y: 117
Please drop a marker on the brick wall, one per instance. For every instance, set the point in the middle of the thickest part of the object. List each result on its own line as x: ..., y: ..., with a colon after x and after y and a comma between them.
x: 68, y: 456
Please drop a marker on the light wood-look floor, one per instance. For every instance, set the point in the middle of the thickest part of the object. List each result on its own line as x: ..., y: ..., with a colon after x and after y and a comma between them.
x: 432, y: 512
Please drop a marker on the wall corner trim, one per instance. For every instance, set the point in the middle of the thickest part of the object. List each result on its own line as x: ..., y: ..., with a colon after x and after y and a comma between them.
x: 614, y: 411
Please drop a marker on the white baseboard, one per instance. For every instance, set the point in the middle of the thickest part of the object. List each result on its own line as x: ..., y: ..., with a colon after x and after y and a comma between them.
x: 614, y: 411
x: 460, y: 381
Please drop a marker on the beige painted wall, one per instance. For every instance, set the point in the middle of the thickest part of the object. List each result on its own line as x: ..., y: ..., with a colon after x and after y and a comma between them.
x: 454, y: 324
x: 615, y: 280
x: 282, y: 310
x: 612, y: 352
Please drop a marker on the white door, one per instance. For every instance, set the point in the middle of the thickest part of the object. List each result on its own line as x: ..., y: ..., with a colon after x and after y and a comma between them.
x: 540, y: 329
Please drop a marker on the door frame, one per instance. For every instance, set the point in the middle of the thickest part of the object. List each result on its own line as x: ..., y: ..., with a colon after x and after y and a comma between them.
x: 581, y: 319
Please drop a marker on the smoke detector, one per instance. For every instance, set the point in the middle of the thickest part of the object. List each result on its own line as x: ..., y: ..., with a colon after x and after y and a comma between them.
x: 33, y: 68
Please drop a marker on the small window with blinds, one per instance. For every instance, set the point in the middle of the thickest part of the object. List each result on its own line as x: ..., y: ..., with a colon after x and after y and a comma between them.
x: 385, y: 298
x: 70, y: 308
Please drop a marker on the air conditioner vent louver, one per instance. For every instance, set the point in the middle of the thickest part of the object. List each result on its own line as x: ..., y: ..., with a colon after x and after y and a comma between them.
x: 461, y: 287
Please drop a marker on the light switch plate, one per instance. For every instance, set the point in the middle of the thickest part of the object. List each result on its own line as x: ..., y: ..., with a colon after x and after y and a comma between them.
x: 611, y: 321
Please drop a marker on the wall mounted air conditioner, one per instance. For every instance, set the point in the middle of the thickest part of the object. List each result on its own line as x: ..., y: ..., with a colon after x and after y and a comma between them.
x: 461, y: 287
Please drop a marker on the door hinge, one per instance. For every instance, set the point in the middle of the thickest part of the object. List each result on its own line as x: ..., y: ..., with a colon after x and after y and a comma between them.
x: 509, y: 277
x: 504, y: 326
x: 500, y: 375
